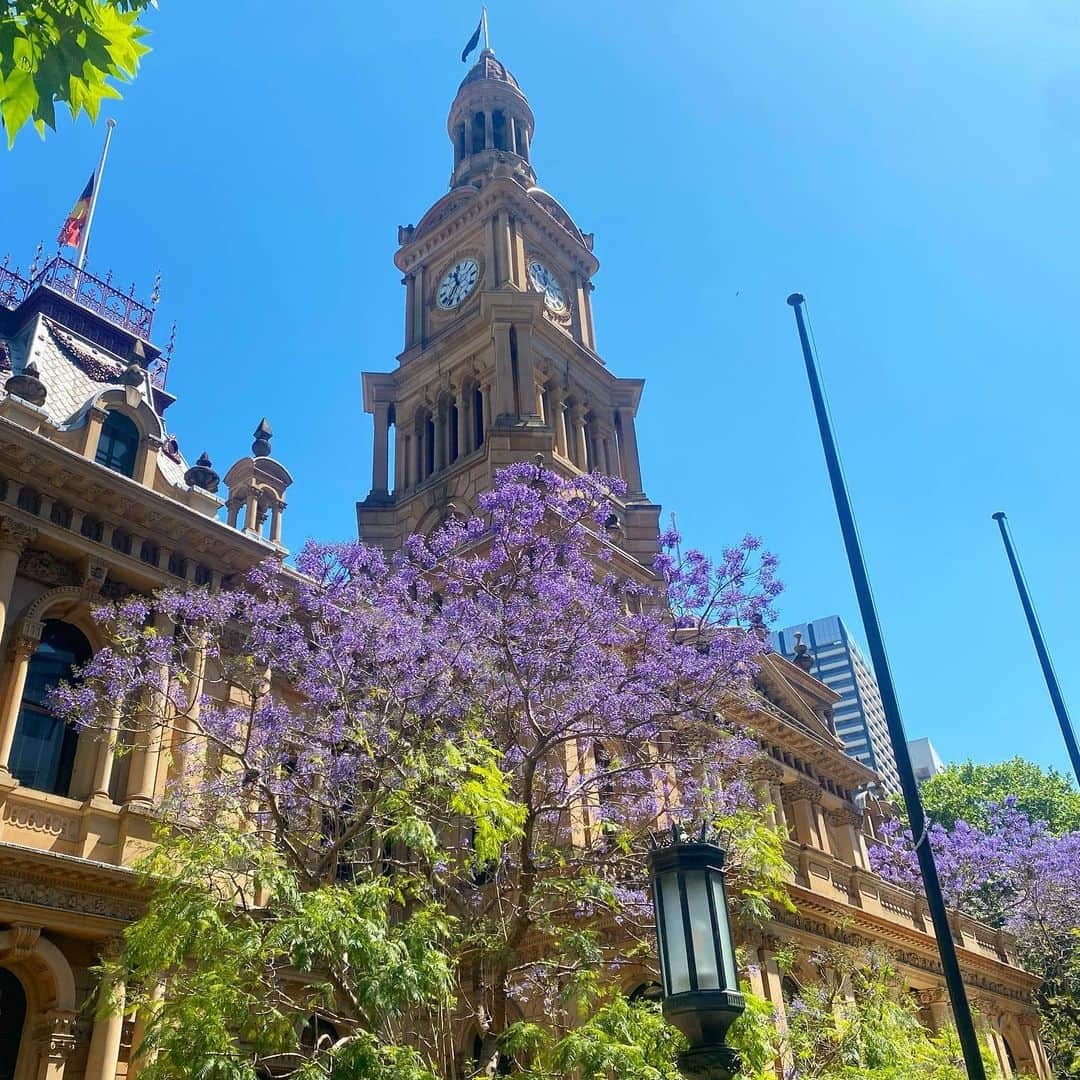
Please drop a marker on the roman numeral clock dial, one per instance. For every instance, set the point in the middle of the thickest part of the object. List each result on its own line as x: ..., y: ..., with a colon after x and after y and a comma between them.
x: 457, y: 283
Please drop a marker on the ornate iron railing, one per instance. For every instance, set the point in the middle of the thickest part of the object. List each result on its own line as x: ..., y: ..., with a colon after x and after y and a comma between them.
x: 86, y: 290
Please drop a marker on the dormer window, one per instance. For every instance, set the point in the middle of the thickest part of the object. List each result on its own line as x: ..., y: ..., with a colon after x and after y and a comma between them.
x: 118, y: 445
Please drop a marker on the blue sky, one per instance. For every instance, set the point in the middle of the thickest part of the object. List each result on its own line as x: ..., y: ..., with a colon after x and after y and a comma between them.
x: 911, y: 167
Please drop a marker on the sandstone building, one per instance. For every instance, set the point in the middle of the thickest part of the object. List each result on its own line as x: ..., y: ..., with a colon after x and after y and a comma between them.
x: 498, y: 364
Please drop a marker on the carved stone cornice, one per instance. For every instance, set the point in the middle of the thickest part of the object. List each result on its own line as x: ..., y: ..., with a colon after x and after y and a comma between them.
x: 14, y: 535
x: 809, y: 790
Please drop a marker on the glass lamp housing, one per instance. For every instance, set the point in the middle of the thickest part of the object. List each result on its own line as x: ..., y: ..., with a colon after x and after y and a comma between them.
x: 696, y: 948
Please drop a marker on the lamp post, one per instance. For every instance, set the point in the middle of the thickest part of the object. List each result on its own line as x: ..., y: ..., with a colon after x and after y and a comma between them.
x: 697, y: 953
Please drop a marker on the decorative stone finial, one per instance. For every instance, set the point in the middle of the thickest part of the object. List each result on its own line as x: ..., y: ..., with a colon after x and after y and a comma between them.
x: 263, y: 434
x: 135, y: 373
x: 27, y: 385
x: 202, y: 474
x: 803, y: 658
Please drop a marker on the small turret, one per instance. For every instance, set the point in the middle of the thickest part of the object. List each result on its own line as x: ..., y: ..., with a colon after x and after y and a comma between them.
x: 491, y: 126
x: 257, y: 486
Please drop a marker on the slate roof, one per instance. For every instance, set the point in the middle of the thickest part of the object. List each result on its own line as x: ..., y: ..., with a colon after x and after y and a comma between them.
x: 74, y: 372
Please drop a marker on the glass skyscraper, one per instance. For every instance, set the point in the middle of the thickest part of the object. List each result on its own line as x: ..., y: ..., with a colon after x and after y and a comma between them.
x: 859, y: 717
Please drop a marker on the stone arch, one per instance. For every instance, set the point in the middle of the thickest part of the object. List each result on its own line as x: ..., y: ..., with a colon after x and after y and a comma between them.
x: 45, y: 975
x: 68, y: 604
x: 75, y: 600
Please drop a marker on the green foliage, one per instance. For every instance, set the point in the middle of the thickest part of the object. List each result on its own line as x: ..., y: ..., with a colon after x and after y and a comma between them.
x: 964, y: 792
x: 851, y: 1020
x: 242, y: 981
x: 64, y: 51
x: 757, y: 868
x: 618, y: 1040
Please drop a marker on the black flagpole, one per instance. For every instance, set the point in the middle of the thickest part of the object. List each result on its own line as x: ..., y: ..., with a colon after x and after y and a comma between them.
x: 1040, y: 645
x: 950, y: 965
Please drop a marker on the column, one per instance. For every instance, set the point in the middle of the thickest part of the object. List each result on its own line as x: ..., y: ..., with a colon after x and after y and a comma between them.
x: 935, y: 1001
x: 526, y: 371
x: 139, y: 1061
x: 409, y: 281
x: 401, y: 449
x: 503, y: 248
x: 381, y: 457
x: 631, y: 466
x: 14, y: 536
x: 803, y: 797
x: 845, y: 826
x: 103, y: 766
x: 146, y: 756
x: 580, y: 455
x: 22, y: 648
x: 576, y: 304
x: 440, y: 435
x: 275, y: 522
x: 505, y: 408
x: 104, y: 1052
x: 772, y: 983
x: 418, y: 306
x: 56, y: 1042
x: 557, y: 419
x: 251, y: 513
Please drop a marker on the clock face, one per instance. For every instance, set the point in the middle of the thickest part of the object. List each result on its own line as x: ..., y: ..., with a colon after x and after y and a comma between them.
x: 458, y: 282
x: 544, y: 281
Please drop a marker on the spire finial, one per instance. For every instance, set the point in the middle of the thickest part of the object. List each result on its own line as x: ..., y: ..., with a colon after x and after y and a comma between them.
x: 263, y: 433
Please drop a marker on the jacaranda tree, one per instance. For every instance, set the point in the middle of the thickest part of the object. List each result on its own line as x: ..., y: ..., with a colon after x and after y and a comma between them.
x: 409, y: 798
x: 1016, y: 873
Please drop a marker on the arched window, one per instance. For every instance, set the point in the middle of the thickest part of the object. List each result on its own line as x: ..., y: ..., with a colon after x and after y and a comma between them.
x: 650, y: 991
x: 44, y: 750
x: 118, y: 444
x: 12, y: 1019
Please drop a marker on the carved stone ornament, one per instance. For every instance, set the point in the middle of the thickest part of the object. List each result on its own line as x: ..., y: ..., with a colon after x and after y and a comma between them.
x: 56, y: 1035
x: 934, y: 995
x: 93, y: 575
x: 14, y: 535
x: 45, y: 567
x: 845, y: 815
x: 767, y: 770
x: 25, y: 938
x: 802, y: 789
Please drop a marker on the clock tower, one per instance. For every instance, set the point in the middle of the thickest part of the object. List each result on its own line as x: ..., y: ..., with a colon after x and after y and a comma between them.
x: 499, y: 361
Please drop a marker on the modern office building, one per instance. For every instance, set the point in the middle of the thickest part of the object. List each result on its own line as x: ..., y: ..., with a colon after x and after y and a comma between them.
x: 924, y: 759
x: 858, y: 715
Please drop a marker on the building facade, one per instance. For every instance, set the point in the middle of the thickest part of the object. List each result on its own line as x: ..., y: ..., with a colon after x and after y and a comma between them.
x: 830, y: 654
x: 498, y: 365
x: 924, y: 759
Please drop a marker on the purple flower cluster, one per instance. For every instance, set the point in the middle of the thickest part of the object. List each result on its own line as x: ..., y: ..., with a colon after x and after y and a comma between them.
x: 1016, y: 874
x: 341, y: 709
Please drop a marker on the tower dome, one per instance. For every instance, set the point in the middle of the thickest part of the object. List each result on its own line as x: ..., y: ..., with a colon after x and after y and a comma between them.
x: 490, y: 125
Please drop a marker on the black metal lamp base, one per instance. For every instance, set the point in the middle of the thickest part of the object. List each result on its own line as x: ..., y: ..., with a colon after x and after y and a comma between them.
x: 709, y: 1063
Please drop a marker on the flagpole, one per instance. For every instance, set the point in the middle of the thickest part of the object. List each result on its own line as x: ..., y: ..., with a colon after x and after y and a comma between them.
x: 483, y: 19
x: 85, y: 241
x: 935, y: 901
x: 1041, y: 649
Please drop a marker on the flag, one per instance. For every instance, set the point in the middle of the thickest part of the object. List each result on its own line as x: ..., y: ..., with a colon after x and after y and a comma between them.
x: 71, y: 233
x: 473, y: 41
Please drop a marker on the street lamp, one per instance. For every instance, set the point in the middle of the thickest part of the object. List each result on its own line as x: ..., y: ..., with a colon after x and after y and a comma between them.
x: 697, y: 953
